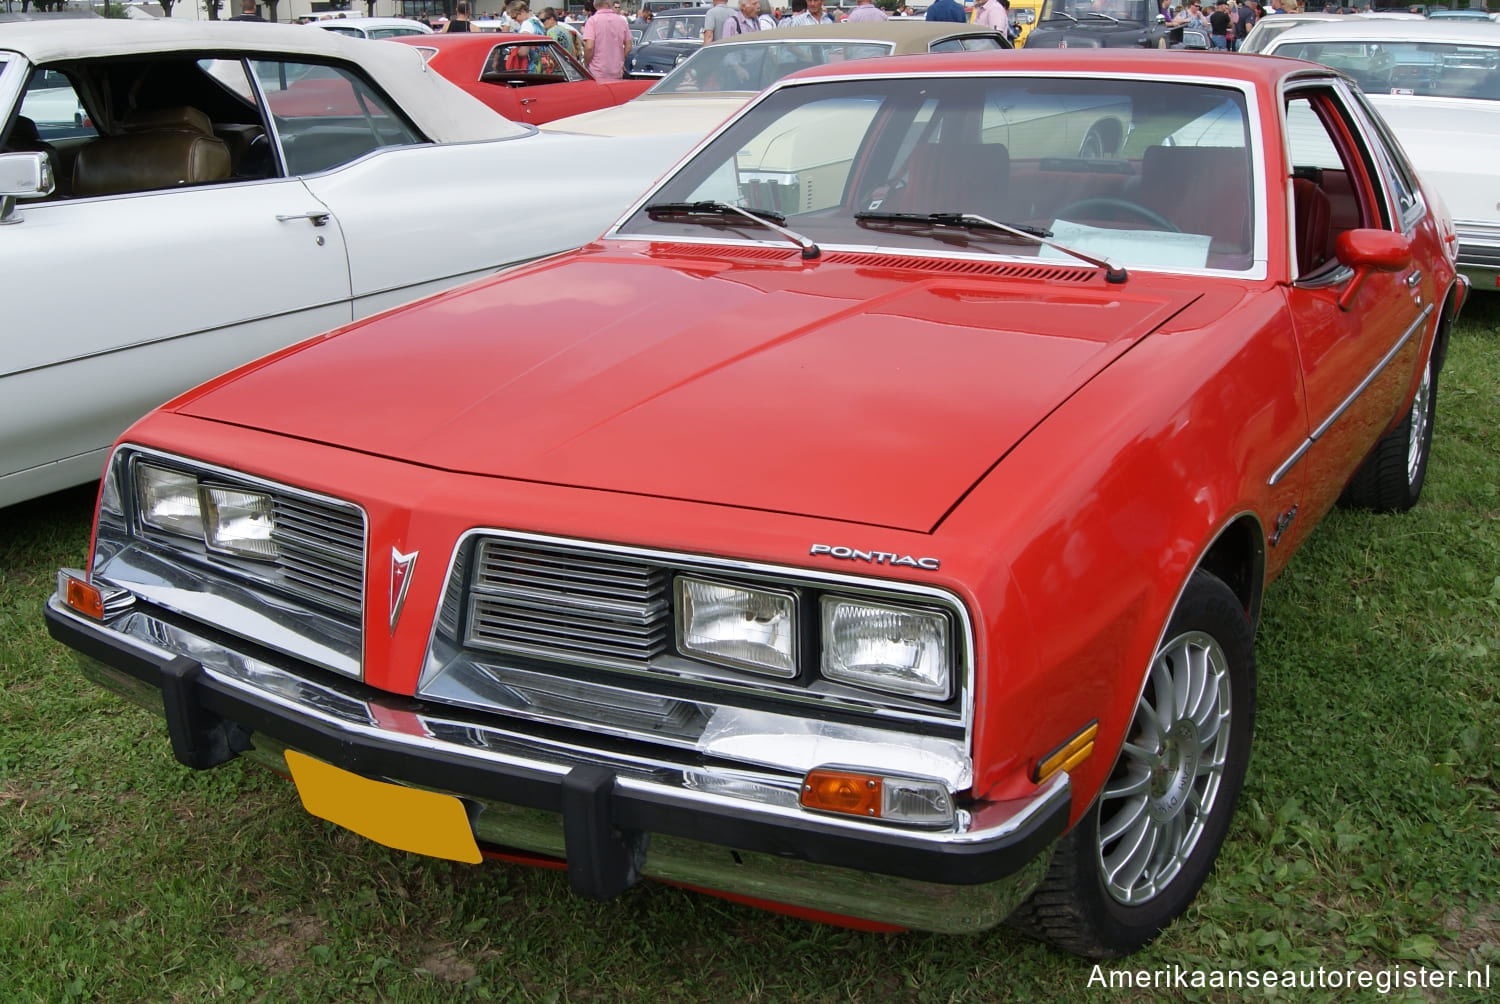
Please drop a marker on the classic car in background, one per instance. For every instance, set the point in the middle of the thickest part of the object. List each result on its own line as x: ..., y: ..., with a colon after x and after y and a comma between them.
x: 1265, y: 31
x: 526, y: 78
x: 374, y: 27
x: 907, y: 567
x: 193, y: 231
x: 1437, y: 85
x: 672, y: 37
x: 717, y: 79
x: 1090, y: 24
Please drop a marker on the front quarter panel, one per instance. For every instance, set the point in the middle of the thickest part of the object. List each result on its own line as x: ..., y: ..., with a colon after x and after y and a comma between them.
x: 1101, y: 515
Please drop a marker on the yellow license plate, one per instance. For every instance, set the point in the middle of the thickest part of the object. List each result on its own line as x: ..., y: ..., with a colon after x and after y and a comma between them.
x: 408, y: 819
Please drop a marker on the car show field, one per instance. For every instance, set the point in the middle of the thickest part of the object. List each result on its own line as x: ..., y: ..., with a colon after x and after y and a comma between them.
x: 886, y: 702
x: 961, y: 525
x: 1366, y: 835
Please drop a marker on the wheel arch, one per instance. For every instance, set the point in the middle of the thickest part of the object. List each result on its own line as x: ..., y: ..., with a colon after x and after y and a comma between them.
x: 1237, y: 557
x: 1446, y: 317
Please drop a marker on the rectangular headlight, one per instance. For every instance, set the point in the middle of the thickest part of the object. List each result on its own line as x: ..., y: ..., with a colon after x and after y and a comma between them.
x: 168, y: 500
x: 750, y: 629
x: 895, y: 649
x: 239, y: 522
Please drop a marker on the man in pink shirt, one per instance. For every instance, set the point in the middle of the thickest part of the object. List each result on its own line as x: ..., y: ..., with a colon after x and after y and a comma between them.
x: 606, y: 41
x: 991, y: 14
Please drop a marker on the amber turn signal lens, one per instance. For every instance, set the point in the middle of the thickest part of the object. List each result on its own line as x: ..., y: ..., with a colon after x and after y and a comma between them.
x: 84, y: 598
x: 1070, y: 754
x: 840, y: 791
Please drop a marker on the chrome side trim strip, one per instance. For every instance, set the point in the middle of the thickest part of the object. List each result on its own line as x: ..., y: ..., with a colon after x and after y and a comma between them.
x: 1348, y: 402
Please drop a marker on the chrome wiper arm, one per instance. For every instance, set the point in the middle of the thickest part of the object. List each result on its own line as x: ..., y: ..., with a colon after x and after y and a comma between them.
x: 1113, y: 272
x: 1094, y: 13
x: 713, y: 207
x: 1060, y: 14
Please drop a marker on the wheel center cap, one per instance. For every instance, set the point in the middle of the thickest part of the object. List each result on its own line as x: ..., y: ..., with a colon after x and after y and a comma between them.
x: 1174, y: 770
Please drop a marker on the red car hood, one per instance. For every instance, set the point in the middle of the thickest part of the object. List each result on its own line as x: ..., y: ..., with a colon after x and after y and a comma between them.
x: 874, y: 395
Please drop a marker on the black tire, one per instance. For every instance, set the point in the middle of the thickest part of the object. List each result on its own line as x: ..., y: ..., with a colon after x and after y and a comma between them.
x: 1157, y: 791
x: 1391, y: 477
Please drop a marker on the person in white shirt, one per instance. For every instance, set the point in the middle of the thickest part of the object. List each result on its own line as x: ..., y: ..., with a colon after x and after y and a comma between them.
x: 809, y: 12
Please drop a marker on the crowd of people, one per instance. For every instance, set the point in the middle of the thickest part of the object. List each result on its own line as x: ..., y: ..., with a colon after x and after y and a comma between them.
x: 729, y: 17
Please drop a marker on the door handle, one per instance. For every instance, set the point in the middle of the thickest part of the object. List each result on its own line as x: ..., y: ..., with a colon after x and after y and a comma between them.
x: 1413, y: 279
x: 318, y: 217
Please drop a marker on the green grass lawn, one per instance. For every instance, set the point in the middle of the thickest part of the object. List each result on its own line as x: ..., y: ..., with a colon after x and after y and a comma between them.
x: 1368, y: 836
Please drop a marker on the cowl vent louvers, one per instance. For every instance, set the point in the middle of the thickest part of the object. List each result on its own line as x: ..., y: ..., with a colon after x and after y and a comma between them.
x: 1006, y: 270
x: 565, y: 605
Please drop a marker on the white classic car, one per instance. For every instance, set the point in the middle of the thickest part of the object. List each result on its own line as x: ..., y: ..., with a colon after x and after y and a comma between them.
x: 713, y: 82
x: 1437, y: 85
x: 182, y: 198
x: 374, y: 27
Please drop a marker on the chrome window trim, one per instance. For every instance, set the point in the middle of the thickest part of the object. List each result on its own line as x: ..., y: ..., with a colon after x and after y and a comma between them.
x: 787, y: 574
x: 1348, y: 402
x: 206, y: 605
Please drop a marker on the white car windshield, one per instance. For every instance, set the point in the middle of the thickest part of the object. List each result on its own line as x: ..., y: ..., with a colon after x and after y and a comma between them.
x: 754, y: 67
x: 1104, y: 166
x: 1426, y: 69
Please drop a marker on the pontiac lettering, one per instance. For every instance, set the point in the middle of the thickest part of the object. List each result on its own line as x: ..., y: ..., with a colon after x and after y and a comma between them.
x: 875, y: 557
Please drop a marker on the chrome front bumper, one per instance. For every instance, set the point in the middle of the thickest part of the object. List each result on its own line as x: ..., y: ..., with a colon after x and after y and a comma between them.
x: 1479, y: 255
x: 676, y: 820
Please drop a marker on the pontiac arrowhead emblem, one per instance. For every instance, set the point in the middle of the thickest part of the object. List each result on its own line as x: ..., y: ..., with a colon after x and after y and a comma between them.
x: 401, y: 569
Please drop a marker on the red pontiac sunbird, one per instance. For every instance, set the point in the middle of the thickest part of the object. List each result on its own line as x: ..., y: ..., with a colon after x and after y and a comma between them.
x: 872, y: 524
x: 526, y: 78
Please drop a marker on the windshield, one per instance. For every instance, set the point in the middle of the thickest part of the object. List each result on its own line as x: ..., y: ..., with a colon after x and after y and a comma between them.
x: 754, y: 67
x: 1120, y: 10
x: 1144, y: 172
x: 1425, y: 69
x: 678, y: 28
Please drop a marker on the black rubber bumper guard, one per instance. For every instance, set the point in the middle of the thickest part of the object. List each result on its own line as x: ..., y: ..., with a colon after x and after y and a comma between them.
x: 605, y: 828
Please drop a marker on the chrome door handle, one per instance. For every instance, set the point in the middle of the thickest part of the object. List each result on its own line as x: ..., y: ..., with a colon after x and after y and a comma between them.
x: 318, y: 217
x: 1413, y: 279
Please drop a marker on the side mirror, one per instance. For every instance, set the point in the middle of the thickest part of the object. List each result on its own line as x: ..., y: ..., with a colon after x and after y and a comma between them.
x: 24, y: 176
x: 1368, y: 251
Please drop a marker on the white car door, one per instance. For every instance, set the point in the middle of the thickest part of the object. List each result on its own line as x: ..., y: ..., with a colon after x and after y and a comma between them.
x: 420, y: 219
x: 121, y: 302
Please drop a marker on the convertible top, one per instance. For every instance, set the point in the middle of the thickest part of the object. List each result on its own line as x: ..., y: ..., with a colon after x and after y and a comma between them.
x: 442, y: 111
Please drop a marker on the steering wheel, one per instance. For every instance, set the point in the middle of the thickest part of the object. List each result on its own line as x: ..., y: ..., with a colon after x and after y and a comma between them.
x: 1106, y: 203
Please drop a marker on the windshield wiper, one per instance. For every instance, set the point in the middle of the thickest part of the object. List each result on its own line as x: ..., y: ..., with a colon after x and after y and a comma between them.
x: 719, y: 210
x: 1094, y: 13
x: 1113, y: 272
x: 1061, y: 14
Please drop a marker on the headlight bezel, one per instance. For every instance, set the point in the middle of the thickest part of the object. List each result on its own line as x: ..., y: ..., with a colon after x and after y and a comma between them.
x: 684, y: 605
x: 940, y: 690
x: 812, y: 641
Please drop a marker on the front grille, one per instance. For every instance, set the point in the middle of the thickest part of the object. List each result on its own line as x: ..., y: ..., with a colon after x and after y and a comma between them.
x: 560, y: 604
x: 322, y: 550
